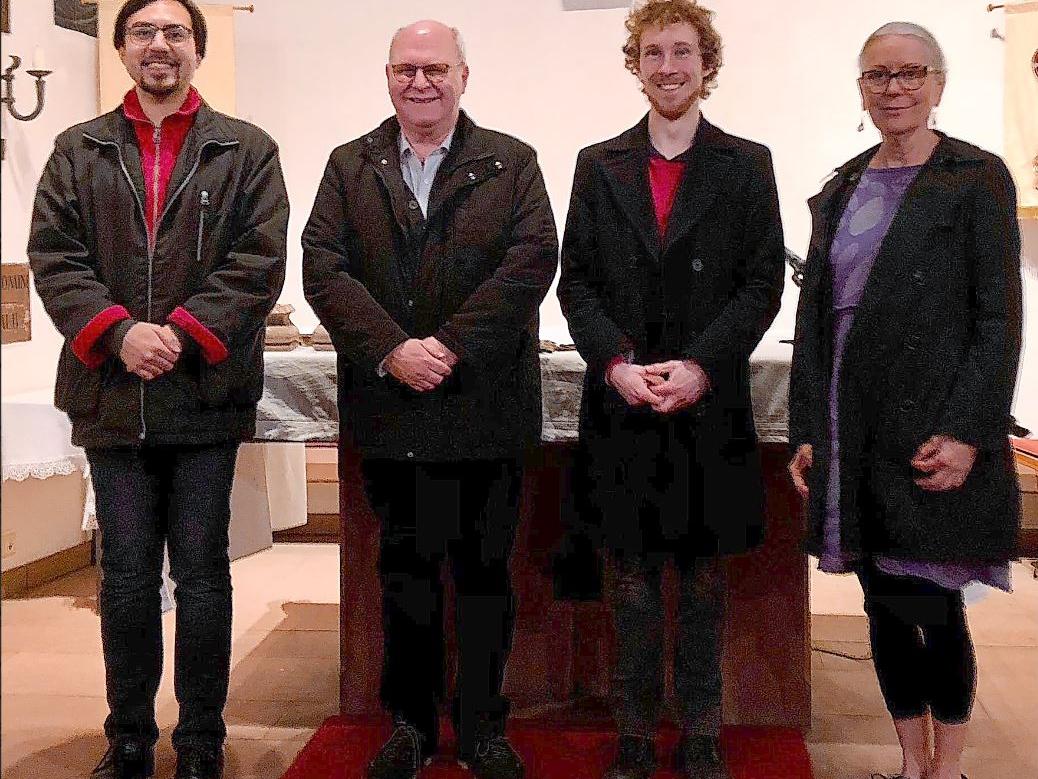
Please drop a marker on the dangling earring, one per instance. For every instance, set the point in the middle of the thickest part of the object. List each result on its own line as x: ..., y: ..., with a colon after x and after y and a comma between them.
x: 931, y: 122
x: 861, y: 124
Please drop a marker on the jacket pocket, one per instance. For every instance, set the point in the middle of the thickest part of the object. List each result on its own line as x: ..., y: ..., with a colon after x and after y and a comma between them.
x: 238, y: 380
x: 77, y: 387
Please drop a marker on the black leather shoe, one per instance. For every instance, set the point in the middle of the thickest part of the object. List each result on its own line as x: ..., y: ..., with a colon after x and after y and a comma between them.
x: 635, y: 759
x: 402, y: 756
x: 126, y: 759
x: 494, y: 758
x: 699, y: 757
x: 197, y: 762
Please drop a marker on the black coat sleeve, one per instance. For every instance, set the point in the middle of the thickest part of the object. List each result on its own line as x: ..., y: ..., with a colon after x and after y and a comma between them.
x: 509, y: 299
x: 977, y: 410
x: 758, y: 280
x: 356, y: 322
x: 597, y: 337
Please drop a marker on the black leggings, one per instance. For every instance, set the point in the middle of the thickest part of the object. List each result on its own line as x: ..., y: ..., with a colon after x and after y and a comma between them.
x: 921, y: 646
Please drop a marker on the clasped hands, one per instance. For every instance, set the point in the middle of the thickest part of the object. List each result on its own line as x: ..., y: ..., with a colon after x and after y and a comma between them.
x: 149, y: 350
x: 665, y: 386
x: 943, y: 462
x: 421, y: 363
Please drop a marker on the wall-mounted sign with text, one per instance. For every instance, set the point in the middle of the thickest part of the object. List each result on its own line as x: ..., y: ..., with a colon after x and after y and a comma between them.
x: 15, y: 324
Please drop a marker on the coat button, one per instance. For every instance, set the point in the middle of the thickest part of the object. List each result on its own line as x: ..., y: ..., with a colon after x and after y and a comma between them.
x: 411, y: 455
x: 918, y: 277
x: 907, y: 404
x: 384, y: 161
x: 412, y: 204
x: 472, y: 176
x: 912, y: 342
x: 410, y: 303
x: 697, y: 265
x: 498, y: 164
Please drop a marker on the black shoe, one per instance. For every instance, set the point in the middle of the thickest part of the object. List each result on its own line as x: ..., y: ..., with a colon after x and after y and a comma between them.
x: 199, y: 762
x: 699, y: 757
x: 402, y: 756
x: 635, y: 759
x: 126, y: 759
x: 495, y: 758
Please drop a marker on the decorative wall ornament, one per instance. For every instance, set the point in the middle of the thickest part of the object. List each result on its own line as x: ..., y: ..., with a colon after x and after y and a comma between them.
x: 77, y: 16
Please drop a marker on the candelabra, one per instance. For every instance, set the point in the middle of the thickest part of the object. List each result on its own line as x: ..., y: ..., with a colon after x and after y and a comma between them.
x: 8, y: 96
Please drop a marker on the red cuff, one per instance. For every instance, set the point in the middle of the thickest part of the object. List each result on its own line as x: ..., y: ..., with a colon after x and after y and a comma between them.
x: 213, y: 348
x: 613, y: 363
x: 84, y: 345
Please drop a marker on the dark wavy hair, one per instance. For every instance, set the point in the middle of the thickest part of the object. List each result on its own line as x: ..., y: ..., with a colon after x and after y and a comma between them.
x: 130, y: 7
x: 660, y: 13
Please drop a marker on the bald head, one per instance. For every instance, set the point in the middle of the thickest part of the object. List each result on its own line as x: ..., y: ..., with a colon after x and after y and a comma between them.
x: 427, y: 31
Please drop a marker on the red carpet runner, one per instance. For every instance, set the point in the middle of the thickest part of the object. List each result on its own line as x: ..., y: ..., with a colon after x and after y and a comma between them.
x: 340, y: 749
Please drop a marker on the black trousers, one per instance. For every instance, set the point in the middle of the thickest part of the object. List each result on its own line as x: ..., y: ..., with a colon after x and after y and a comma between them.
x: 637, y: 683
x: 921, y: 646
x: 465, y: 513
x: 148, y: 497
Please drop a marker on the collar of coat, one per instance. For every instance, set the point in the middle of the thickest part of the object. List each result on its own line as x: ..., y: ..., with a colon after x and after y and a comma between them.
x: 948, y: 153
x: 210, y: 127
x: 470, y: 145
x: 625, y: 161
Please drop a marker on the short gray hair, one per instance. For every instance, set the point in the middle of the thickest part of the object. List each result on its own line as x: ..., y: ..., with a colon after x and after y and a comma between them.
x: 458, y: 41
x: 916, y: 31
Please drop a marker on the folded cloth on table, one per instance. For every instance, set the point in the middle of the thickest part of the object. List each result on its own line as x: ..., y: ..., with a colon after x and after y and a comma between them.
x: 282, y: 338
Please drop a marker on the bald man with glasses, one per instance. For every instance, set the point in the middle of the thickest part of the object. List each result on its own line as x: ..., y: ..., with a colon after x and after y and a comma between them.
x: 429, y: 249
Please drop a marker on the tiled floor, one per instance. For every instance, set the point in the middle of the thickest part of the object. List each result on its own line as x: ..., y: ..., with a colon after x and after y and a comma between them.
x: 284, y: 680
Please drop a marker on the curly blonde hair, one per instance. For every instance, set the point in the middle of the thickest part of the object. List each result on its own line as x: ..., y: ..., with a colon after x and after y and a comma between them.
x: 660, y: 13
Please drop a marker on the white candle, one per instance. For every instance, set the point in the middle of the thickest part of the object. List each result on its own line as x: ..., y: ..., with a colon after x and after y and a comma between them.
x: 37, y: 59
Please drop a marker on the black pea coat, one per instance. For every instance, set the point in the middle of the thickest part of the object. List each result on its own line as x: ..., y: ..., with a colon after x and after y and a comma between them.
x: 933, y: 349
x: 706, y: 291
x: 473, y: 274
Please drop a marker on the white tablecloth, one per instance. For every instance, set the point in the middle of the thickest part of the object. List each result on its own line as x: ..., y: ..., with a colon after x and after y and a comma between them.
x: 299, y: 395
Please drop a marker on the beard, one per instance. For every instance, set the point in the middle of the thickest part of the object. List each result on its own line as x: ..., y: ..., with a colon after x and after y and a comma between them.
x: 672, y: 114
x: 161, y: 88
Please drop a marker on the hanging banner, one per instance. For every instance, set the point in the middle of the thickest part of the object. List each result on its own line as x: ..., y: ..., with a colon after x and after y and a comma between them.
x: 1021, y: 103
x: 214, y: 78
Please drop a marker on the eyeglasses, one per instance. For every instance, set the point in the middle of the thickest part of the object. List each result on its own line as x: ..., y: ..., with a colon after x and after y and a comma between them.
x: 434, y: 72
x: 143, y: 34
x: 910, y: 78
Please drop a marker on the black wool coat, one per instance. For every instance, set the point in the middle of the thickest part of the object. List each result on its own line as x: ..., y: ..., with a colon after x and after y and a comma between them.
x: 934, y: 349
x: 473, y: 274
x: 706, y: 291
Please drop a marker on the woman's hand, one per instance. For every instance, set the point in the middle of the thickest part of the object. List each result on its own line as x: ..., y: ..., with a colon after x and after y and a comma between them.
x: 799, y: 466
x: 945, y: 461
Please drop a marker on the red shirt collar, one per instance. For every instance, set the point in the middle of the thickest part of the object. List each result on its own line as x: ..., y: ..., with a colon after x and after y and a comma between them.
x: 134, y: 112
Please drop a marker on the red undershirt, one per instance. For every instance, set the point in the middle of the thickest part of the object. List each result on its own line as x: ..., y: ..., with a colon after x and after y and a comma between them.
x: 157, y: 163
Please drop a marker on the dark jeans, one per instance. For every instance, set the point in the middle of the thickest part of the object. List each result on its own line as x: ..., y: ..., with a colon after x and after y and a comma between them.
x: 921, y: 647
x: 637, y: 689
x: 465, y: 513
x: 149, y: 497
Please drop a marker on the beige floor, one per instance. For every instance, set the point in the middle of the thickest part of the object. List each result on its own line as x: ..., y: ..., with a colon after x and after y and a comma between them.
x: 284, y: 680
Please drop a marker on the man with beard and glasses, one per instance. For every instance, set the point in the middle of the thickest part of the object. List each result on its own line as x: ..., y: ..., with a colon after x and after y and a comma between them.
x: 672, y: 268
x: 158, y: 246
x: 429, y: 249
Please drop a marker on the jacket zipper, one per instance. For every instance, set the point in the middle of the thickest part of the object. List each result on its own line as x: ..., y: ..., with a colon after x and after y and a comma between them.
x: 203, y: 201
x: 155, y: 226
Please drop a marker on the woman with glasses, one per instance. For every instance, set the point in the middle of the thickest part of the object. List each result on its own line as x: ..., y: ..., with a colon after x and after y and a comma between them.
x: 907, y: 345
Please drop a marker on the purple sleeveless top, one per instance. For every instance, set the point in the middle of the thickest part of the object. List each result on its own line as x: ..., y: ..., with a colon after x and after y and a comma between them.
x: 858, y: 238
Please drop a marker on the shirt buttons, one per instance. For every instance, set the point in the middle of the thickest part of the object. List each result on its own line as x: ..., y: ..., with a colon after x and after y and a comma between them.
x: 412, y: 204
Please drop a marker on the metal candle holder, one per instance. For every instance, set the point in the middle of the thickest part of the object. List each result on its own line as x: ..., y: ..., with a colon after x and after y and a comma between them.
x: 8, y: 96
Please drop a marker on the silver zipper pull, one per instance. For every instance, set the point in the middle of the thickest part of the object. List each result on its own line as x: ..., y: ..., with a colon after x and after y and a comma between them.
x: 205, y: 197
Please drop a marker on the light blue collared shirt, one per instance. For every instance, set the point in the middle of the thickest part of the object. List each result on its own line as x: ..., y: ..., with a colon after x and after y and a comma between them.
x: 418, y: 177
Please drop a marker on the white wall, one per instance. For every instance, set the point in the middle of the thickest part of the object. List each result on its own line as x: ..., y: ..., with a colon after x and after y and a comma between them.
x: 310, y: 72
x: 71, y: 97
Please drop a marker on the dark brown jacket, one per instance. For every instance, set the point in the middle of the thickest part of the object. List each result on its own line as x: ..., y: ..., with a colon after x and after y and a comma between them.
x: 216, y: 269
x: 473, y: 274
